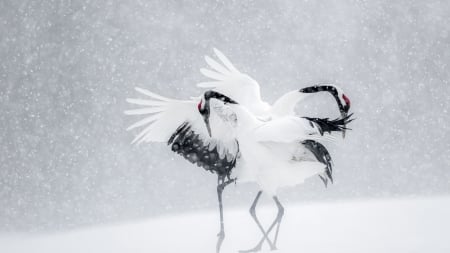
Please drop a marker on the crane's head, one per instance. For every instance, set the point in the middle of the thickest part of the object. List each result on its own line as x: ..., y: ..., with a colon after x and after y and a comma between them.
x: 204, y: 105
x: 342, y: 100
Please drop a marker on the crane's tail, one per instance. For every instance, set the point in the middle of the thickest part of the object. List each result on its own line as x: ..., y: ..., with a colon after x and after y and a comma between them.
x: 336, y: 125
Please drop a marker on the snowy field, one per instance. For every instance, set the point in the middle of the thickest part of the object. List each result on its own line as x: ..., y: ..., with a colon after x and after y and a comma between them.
x: 395, y: 225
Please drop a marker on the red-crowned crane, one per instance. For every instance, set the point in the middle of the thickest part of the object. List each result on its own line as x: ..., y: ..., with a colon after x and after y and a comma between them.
x: 185, y: 125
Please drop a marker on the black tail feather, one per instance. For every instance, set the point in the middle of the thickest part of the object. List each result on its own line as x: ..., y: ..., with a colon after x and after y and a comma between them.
x: 336, y: 125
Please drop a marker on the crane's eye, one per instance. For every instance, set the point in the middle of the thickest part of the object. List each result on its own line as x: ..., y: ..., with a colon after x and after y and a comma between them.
x: 347, y: 101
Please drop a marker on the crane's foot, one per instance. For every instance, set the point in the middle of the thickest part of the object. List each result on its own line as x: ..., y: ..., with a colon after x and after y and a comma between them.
x: 257, y: 248
x: 221, y: 237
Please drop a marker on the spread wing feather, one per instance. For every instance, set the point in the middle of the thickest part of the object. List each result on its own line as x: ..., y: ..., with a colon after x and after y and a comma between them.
x: 213, y: 75
x: 225, y: 61
x: 223, y: 72
x: 217, y: 66
x: 180, y: 125
x: 226, y: 79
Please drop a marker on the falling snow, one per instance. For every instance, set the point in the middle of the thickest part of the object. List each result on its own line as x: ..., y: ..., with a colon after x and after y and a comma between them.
x: 67, y: 67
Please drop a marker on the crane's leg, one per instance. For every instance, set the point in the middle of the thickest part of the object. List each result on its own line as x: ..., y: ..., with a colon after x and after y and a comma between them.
x: 221, y: 184
x: 278, y: 219
x: 277, y: 222
x: 265, y: 234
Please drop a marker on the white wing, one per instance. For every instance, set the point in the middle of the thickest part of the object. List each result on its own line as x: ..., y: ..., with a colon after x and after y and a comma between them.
x: 229, y: 81
x: 179, y: 123
x: 162, y: 116
x: 222, y: 72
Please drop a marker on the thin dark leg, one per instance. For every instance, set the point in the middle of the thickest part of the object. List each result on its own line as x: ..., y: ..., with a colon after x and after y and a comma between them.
x: 265, y: 234
x: 221, y: 184
x: 221, y: 234
x: 277, y: 222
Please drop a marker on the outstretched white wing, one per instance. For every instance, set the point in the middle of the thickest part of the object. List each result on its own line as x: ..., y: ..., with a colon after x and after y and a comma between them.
x: 222, y: 72
x: 228, y: 80
x: 162, y: 116
x: 179, y: 123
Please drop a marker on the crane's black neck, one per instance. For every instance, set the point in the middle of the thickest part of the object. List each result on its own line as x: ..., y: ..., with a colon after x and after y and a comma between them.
x: 328, y: 88
x: 214, y: 94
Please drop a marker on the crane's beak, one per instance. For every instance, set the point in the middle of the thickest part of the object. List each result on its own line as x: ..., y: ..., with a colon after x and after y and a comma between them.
x: 206, y: 120
x: 207, y: 126
x: 344, y: 111
x: 203, y: 108
x: 343, y: 115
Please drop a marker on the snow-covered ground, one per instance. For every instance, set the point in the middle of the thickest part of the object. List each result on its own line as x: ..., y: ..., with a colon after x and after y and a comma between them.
x: 394, y: 225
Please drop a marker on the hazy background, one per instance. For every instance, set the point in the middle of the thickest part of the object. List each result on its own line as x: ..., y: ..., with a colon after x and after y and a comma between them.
x: 66, y: 68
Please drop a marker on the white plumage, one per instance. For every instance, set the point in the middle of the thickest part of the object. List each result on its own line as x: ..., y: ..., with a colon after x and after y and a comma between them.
x: 271, y: 151
x: 229, y: 81
x: 277, y: 153
x: 162, y: 117
x: 232, y: 132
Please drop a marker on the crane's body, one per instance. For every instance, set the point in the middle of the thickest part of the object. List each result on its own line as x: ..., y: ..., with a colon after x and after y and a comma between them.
x: 274, y: 154
x: 233, y: 133
x: 271, y: 152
